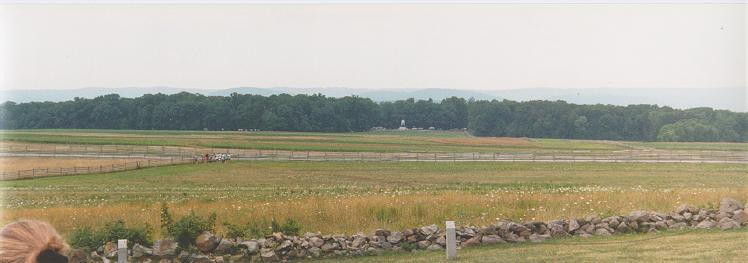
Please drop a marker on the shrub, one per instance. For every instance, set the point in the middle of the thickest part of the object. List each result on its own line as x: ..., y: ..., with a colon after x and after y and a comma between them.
x: 258, y: 229
x: 290, y: 227
x: 186, y: 229
x: 233, y: 230
x: 85, y: 238
x: 254, y: 229
x: 116, y: 230
x: 90, y: 239
x: 250, y: 230
x: 409, y: 246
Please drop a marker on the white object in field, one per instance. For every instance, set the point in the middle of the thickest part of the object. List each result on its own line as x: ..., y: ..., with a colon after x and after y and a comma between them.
x: 122, y: 251
x: 402, y: 123
x: 451, y: 241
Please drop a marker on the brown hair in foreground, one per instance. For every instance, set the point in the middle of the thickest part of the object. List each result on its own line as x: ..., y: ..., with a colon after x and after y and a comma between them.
x: 31, y: 241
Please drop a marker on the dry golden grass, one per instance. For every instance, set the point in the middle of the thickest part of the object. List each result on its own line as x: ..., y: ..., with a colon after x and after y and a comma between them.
x: 485, y: 141
x: 12, y: 164
x: 351, y: 214
x: 335, y: 197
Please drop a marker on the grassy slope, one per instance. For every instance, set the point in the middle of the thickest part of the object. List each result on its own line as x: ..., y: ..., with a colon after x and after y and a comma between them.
x: 441, y: 175
x: 693, y: 246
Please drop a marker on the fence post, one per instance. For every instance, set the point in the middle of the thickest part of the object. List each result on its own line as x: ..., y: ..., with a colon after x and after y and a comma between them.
x: 122, y: 251
x: 451, y: 241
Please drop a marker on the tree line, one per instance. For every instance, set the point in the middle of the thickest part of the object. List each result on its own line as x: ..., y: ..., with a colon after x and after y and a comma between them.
x: 537, y: 119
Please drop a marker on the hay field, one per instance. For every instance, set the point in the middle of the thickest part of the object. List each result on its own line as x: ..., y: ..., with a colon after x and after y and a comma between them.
x: 347, y: 197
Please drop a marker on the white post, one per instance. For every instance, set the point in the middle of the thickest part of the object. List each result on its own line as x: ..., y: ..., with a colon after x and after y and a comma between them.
x: 122, y: 251
x: 451, y: 241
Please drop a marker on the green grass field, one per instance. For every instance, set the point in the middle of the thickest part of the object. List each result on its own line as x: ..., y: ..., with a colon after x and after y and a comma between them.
x: 349, y: 197
x: 362, y: 196
x: 391, y: 141
x: 681, y: 246
x: 380, y: 141
x: 701, y: 146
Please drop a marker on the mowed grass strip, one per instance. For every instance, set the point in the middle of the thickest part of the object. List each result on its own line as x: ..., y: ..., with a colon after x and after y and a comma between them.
x: 347, y: 197
x: 416, y: 175
x: 670, y: 246
x: 393, y: 141
x: 701, y: 146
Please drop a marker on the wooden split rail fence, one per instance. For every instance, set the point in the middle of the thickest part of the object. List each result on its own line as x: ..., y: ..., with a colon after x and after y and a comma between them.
x: 61, y: 171
x: 132, y: 151
x: 160, y: 155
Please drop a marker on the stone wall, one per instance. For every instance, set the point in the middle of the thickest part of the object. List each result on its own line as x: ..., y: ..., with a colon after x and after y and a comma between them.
x: 279, y: 247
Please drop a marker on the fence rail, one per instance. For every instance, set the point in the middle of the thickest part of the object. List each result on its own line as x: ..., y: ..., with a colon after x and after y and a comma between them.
x: 133, y: 151
x: 159, y: 155
x: 75, y: 170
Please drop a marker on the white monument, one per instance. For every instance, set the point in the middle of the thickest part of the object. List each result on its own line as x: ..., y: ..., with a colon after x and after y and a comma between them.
x: 402, y: 126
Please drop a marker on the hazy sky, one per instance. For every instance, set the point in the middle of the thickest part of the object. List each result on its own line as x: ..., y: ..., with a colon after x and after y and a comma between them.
x: 478, y: 46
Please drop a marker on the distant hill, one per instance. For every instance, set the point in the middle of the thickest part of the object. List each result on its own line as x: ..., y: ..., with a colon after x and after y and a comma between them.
x: 436, y: 94
x: 719, y: 98
x: 56, y: 95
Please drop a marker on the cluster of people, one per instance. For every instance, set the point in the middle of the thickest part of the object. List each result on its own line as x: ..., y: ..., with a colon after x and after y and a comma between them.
x: 212, y: 157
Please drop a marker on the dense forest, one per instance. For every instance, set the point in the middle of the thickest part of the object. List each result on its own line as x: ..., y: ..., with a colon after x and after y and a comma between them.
x: 538, y: 119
